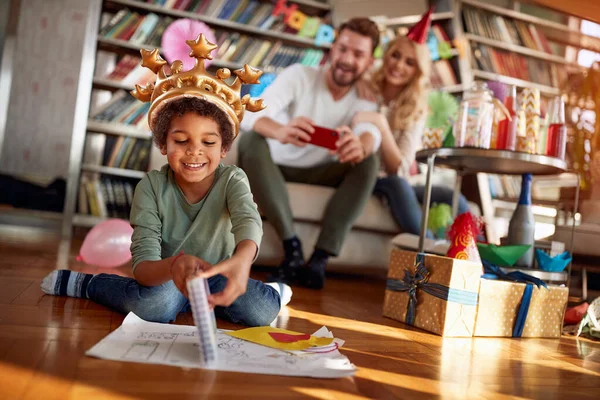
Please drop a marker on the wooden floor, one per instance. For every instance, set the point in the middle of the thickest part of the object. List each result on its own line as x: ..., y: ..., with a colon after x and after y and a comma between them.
x: 43, y: 340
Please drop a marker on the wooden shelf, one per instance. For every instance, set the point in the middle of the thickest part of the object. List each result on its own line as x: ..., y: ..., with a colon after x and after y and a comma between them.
x: 554, y: 31
x: 126, y: 173
x: 514, y: 81
x: 322, y: 5
x: 109, y: 84
x: 503, y: 201
x: 86, y: 221
x: 452, y: 89
x: 220, y: 23
x: 413, y: 19
x: 111, y: 44
x: 519, y: 49
x: 112, y: 128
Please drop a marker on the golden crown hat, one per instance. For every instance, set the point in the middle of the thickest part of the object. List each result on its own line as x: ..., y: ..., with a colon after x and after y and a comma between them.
x: 197, y: 83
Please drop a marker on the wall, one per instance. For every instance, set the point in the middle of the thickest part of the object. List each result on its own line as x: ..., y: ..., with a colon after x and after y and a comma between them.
x: 345, y: 9
x: 45, y: 64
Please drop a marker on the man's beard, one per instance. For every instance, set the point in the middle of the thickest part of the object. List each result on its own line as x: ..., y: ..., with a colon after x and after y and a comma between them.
x: 340, y: 82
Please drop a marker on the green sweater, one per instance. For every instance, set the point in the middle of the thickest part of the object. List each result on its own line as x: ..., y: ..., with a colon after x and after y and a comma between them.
x: 165, y: 222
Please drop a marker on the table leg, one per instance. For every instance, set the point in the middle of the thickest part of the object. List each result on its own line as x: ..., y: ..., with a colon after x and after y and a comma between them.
x: 456, y: 194
x: 426, y: 201
x: 571, y: 249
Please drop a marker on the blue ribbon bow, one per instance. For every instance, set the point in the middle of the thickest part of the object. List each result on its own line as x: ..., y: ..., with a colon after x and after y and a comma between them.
x: 411, y: 283
x: 492, y: 271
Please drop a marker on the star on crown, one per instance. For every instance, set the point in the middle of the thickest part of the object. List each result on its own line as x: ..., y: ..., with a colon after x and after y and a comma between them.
x: 197, y: 82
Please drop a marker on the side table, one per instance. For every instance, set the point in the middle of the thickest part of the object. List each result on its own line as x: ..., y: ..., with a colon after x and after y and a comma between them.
x: 466, y: 160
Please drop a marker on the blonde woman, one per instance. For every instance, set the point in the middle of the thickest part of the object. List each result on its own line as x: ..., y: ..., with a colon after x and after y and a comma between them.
x: 400, y: 88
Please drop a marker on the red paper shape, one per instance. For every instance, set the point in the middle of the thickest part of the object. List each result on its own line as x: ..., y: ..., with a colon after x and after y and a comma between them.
x: 418, y: 32
x: 287, y: 338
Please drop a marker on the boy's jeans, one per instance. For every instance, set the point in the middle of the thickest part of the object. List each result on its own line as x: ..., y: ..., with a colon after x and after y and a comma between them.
x: 259, y: 306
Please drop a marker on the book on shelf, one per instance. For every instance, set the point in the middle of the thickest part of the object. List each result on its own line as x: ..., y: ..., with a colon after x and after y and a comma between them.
x: 442, y: 74
x: 105, y: 197
x: 508, y: 187
x: 514, y: 65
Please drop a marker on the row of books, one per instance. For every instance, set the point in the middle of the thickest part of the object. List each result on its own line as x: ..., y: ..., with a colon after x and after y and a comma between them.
x: 266, y: 54
x: 235, y: 48
x: 105, y: 197
x: 127, y: 152
x: 122, y: 108
x: 149, y: 28
x: 250, y: 12
x: 136, y: 28
x: 517, y: 66
x: 506, y: 30
x: 504, y: 186
x: 508, y: 187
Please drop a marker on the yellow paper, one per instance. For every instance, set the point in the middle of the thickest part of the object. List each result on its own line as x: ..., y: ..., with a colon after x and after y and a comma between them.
x: 260, y: 335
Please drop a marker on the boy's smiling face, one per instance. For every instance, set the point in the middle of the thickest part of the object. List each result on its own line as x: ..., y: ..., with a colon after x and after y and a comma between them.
x: 194, y: 150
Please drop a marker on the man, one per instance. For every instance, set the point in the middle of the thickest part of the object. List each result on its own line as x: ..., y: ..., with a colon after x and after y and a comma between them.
x: 274, y: 148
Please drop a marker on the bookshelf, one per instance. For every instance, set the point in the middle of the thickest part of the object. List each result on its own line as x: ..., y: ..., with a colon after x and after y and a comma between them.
x: 112, y: 150
x: 519, y: 49
x: 555, y: 31
x: 220, y: 22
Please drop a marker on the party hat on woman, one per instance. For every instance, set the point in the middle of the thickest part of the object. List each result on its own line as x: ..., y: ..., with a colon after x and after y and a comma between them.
x: 418, y: 33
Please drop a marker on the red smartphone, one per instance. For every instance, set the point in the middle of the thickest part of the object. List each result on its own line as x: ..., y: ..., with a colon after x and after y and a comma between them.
x: 324, y: 137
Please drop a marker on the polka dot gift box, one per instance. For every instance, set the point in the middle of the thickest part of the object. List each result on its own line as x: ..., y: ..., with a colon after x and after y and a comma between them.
x: 438, y: 294
x: 503, y: 309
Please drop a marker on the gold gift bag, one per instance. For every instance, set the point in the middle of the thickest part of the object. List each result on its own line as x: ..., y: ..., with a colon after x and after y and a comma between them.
x: 500, y: 303
x: 438, y: 294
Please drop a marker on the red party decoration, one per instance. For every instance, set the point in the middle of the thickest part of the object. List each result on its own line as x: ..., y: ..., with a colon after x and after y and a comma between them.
x: 463, y: 238
x: 418, y: 33
x: 288, y: 338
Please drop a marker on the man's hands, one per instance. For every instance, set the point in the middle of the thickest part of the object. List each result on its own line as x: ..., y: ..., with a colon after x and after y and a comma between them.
x: 349, y: 147
x: 296, y: 132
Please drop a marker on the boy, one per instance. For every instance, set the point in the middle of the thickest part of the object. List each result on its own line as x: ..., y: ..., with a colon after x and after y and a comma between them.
x: 193, y: 217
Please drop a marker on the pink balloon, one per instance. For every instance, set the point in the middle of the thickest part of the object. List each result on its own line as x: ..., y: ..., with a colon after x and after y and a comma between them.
x: 107, y: 244
x: 173, y: 40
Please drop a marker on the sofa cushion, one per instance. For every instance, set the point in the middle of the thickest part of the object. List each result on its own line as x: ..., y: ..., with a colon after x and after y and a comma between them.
x: 362, y: 250
x: 308, y: 203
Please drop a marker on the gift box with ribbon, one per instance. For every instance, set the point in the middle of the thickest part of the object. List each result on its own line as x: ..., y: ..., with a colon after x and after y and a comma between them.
x: 438, y: 294
x: 519, y: 305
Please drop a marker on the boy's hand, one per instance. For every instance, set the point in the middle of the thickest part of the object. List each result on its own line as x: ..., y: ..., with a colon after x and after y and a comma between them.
x: 184, y: 268
x: 296, y: 132
x: 237, y: 271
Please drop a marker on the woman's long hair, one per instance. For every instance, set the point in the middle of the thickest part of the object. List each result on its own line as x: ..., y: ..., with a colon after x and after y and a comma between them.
x: 406, y: 109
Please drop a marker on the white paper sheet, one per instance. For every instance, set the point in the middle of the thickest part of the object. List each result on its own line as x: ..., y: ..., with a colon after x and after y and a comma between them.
x: 137, y: 340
